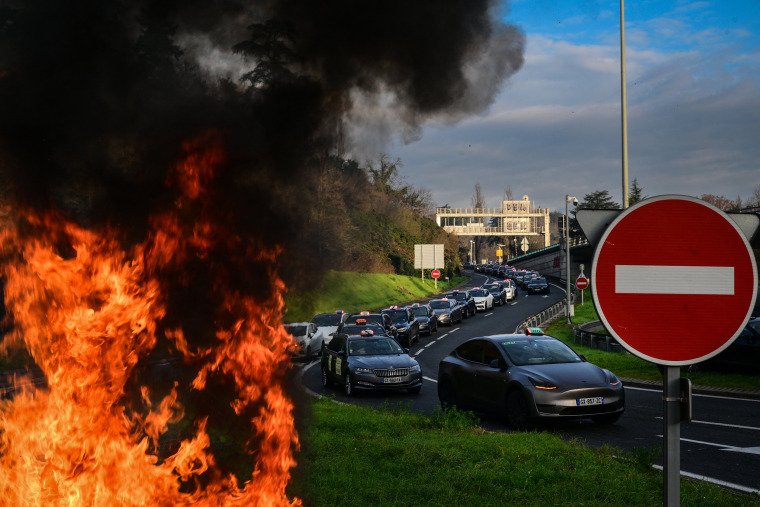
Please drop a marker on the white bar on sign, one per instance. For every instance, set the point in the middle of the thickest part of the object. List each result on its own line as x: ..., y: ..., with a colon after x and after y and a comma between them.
x: 630, y: 279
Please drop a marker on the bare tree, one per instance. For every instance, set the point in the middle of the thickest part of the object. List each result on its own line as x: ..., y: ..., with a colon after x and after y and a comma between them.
x: 477, y: 199
x: 508, y: 194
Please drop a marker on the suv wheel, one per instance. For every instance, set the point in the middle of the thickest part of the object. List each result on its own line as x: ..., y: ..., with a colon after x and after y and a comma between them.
x: 348, y: 385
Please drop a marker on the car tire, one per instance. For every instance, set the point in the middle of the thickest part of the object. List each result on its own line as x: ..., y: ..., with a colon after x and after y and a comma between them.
x: 517, y: 410
x: 606, y: 418
x: 348, y: 385
x: 414, y: 390
x: 447, y: 395
x: 326, y: 382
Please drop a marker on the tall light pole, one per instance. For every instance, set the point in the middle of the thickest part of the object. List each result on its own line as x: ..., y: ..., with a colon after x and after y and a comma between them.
x: 472, y: 250
x: 624, y: 115
x: 567, y: 253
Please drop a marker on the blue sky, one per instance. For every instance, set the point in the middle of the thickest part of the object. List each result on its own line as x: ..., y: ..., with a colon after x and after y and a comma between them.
x: 693, y: 97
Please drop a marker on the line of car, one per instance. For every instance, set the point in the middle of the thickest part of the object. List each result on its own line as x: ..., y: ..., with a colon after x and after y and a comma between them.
x: 524, y: 377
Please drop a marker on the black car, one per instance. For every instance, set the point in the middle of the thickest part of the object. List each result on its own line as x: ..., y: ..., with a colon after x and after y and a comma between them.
x: 406, y: 324
x: 498, y: 292
x: 527, y: 280
x: 369, y: 362
x: 742, y: 355
x: 466, y: 300
x: 427, y: 318
x: 380, y: 319
x: 361, y: 326
x: 538, y: 286
x: 528, y: 377
x: 449, y: 311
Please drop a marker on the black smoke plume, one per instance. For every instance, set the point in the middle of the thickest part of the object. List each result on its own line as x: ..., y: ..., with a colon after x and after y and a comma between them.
x: 97, y: 98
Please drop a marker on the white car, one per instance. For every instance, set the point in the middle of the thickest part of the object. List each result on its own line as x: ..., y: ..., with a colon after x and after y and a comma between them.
x: 511, y: 289
x: 483, y: 299
x: 328, y: 322
x: 308, y: 337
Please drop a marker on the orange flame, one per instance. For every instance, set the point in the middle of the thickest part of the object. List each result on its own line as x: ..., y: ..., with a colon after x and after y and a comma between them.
x: 89, y: 314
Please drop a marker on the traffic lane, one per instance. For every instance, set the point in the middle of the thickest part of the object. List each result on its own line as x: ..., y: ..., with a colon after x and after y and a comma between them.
x: 722, y: 443
x: 429, y: 352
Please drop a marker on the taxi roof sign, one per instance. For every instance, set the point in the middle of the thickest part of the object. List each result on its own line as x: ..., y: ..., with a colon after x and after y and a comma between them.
x: 534, y: 331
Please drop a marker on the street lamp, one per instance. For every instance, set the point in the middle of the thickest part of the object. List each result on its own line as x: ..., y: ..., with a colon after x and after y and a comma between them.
x: 567, y: 252
x: 472, y: 249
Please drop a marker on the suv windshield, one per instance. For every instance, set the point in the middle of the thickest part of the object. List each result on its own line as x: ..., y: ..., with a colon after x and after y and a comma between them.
x: 420, y: 311
x: 479, y: 293
x: 373, y: 347
x: 398, y: 316
x: 440, y: 305
x: 326, y: 319
x: 539, y: 351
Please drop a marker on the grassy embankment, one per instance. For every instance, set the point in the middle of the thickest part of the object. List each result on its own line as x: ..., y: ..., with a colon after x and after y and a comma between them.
x: 354, y: 292
x: 352, y: 455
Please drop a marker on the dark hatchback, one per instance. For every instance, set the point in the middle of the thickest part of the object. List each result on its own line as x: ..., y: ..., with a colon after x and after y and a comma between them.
x: 406, y: 324
x: 449, y: 311
x: 427, y: 318
x: 466, y: 300
x: 369, y: 362
x: 538, y: 286
x: 527, y: 378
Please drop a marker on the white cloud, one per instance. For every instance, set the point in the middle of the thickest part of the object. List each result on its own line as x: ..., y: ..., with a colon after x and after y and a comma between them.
x: 693, y: 118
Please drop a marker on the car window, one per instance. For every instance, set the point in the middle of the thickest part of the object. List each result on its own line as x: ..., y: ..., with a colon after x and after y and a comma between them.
x: 299, y: 330
x: 490, y: 352
x: 471, y: 351
x: 420, y: 311
x: 479, y: 293
x: 398, y: 316
x: 539, y: 351
x: 326, y: 319
x: 439, y: 305
x: 373, y: 347
x: 754, y: 326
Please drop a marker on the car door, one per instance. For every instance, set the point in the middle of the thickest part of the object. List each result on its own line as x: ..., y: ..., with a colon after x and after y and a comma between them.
x: 490, y: 381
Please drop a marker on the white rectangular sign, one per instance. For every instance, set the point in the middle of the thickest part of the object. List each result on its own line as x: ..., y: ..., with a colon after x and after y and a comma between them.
x: 428, y: 256
x: 674, y: 280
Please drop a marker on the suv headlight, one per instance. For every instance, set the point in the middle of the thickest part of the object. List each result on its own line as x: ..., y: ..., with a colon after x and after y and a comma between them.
x: 415, y: 369
x: 364, y: 370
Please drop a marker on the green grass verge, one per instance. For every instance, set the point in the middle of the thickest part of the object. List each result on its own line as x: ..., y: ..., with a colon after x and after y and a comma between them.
x: 628, y: 365
x: 354, y: 455
x: 354, y: 292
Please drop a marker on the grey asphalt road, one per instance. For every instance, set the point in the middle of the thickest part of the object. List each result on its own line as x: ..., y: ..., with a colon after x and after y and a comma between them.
x: 721, y: 444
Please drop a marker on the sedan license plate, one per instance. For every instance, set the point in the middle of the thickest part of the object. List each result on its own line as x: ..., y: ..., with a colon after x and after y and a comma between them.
x: 392, y: 380
x: 582, y: 402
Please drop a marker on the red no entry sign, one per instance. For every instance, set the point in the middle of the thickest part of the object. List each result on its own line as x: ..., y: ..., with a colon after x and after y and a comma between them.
x: 581, y: 282
x: 674, y: 280
x: 435, y: 273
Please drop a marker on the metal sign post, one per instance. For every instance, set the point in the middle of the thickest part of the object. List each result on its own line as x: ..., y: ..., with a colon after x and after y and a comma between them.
x: 700, y: 296
x: 671, y: 406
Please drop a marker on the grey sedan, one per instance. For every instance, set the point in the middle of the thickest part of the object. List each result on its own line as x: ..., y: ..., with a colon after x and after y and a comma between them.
x: 527, y: 378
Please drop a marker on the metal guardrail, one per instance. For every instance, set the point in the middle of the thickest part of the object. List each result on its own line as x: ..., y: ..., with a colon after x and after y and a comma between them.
x: 544, y: 316
x: 596, y: 340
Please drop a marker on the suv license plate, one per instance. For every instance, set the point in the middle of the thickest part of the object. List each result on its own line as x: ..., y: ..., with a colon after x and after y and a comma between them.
x: 582, y: 402
x: 393, y: 380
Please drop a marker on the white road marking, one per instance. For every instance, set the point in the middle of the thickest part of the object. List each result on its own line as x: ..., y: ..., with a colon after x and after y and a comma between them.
x: 724, y: 447
x: 633, y: 279
x: 717, y: 482
x: 430, y: 379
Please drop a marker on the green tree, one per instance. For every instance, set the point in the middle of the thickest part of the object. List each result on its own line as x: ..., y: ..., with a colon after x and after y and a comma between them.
x: 636, y: 194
